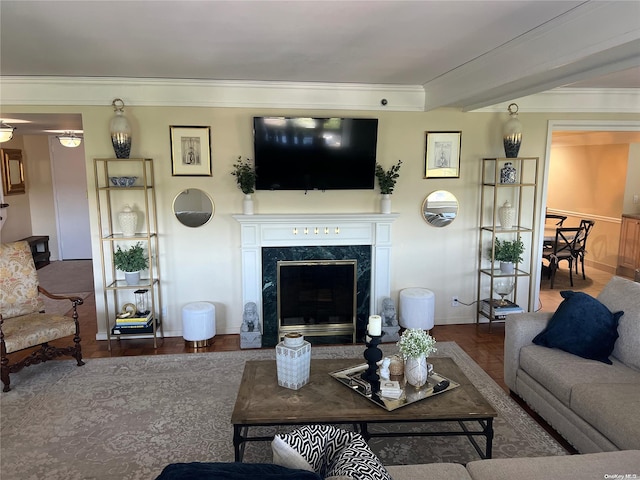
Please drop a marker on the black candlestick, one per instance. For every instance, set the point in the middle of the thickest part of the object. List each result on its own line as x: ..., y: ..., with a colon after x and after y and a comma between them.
x: 373, y: 355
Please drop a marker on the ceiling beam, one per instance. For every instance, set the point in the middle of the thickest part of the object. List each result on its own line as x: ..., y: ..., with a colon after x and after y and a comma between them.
x: 595, y: 38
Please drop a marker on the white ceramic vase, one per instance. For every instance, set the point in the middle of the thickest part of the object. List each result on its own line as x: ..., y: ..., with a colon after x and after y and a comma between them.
x: 132, y: 278
x: 416, y: 371
x: 247, y: 204
x: 506, y: 215
x: 128, y: 220
x: 385, y: 203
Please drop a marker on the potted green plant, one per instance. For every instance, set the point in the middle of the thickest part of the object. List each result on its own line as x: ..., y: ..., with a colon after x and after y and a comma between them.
x: 508, y: 253
x: 387, y: 181
x: 130, y: 261
x: 415, y: 346
x: 387, y: 178
x: 245, y: 175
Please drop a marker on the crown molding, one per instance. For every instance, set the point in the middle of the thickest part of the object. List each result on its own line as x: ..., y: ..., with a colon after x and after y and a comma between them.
x: 576, y: 100
x: 285, y: 95
x: 204, y: 93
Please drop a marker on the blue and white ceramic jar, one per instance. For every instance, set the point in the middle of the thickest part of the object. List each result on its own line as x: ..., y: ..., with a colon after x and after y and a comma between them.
x: 508, y: 173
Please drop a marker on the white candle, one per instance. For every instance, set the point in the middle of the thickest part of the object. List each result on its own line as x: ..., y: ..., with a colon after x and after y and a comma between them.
x: 375, y: 325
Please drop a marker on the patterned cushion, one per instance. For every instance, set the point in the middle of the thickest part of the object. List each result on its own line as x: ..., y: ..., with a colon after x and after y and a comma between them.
x: 18, y: 281
x: 329, y: 451
x: 35, y: 329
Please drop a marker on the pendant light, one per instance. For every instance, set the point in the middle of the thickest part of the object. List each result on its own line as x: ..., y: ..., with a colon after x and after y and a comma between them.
x: 6, y: 132
x: 69, y: 139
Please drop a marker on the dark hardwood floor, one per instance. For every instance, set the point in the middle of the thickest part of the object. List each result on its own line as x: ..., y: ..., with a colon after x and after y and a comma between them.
x: 484, y: 347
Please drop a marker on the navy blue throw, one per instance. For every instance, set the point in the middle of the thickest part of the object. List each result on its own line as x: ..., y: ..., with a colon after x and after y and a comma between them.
x: 233, y: 471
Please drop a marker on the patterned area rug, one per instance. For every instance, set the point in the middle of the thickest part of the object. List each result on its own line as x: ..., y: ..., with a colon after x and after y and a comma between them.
x: 128, y: 417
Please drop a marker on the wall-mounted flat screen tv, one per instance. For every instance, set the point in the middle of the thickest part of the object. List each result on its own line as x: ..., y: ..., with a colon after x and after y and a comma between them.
x: 305, y: 153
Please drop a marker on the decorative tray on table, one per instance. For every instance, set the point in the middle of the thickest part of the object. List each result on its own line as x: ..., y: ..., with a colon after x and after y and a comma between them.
x: 410, y: 394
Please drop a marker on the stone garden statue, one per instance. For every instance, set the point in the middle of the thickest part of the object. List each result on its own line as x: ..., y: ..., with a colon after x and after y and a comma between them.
x: 250, y: 319
x: 388, y: 314
x: 250, y: 334
x: 390, y: 327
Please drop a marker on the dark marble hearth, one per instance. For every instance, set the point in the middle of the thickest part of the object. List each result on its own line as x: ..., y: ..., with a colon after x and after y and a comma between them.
x: 270, y: 258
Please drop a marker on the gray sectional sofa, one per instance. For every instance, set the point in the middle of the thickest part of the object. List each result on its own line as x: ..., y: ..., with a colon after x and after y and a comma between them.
x: 593, y: 466
x: 595, y: 406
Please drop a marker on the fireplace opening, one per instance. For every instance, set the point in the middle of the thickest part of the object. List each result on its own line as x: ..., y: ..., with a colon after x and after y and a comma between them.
x: 318, y: 299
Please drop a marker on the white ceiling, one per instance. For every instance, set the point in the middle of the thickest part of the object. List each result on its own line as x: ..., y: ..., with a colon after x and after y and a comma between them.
x: 547, y: 43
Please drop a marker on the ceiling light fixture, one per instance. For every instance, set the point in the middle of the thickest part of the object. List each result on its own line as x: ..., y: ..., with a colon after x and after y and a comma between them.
x: 69, y: 139
x: 6, y: 132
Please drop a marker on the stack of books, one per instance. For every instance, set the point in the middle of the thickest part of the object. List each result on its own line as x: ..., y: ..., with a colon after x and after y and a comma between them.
x: 390, y: 389
x: 500, y: 309
x: 130, y: 324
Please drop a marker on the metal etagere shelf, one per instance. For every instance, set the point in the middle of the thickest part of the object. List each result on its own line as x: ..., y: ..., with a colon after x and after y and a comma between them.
x: 110, y: 199
x: 521, y: 194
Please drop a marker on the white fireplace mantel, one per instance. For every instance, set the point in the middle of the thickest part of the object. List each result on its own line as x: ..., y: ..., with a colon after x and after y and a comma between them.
x: 288, y: 230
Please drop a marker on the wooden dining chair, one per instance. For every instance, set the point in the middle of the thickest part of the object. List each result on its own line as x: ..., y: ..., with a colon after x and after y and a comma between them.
x: 552, y: 220
x: 581, y: 246
x: 564, y: 248
x: 557, y: 220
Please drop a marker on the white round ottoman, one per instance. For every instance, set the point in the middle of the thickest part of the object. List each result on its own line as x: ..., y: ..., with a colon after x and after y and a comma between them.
x: 198, y: 324
x: 417, y: 308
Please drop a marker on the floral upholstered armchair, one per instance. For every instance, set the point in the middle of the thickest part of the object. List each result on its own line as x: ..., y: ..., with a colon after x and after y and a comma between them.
x: 23, y: 323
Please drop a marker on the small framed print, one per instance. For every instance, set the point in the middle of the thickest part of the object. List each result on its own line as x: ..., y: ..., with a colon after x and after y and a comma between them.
x: 190, y: 151
x: 442, y: 155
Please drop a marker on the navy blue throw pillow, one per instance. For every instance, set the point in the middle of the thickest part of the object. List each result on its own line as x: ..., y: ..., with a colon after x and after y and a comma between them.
x: 583, y: 326
x: 233, y: 471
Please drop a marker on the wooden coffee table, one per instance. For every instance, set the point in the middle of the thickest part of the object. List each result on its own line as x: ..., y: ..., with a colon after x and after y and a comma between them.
x: 324, y: 400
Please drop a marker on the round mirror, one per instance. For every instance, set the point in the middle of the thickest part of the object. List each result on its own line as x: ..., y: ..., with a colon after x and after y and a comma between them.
x: 193, y: 207
x: 440, y: 208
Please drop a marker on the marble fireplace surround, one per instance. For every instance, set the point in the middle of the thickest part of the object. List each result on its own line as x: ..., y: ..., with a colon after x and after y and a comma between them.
x: 314, y: 230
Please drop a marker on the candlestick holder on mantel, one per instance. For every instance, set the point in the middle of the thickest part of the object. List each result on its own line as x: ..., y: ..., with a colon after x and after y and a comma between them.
x: 373, y: 355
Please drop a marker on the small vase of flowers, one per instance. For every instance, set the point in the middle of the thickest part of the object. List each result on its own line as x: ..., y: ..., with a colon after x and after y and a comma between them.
x: 415, y: 346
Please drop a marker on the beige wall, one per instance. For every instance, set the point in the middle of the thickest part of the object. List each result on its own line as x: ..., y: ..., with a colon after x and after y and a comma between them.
x: 203, y: 264
x: 589, y: 181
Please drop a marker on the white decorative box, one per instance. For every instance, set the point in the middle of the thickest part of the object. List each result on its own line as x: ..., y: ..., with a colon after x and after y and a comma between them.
x: 293, y: 358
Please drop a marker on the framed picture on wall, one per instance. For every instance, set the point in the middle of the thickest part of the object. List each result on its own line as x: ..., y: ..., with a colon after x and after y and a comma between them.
x: 442, y: 154
x: 190, y: 151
